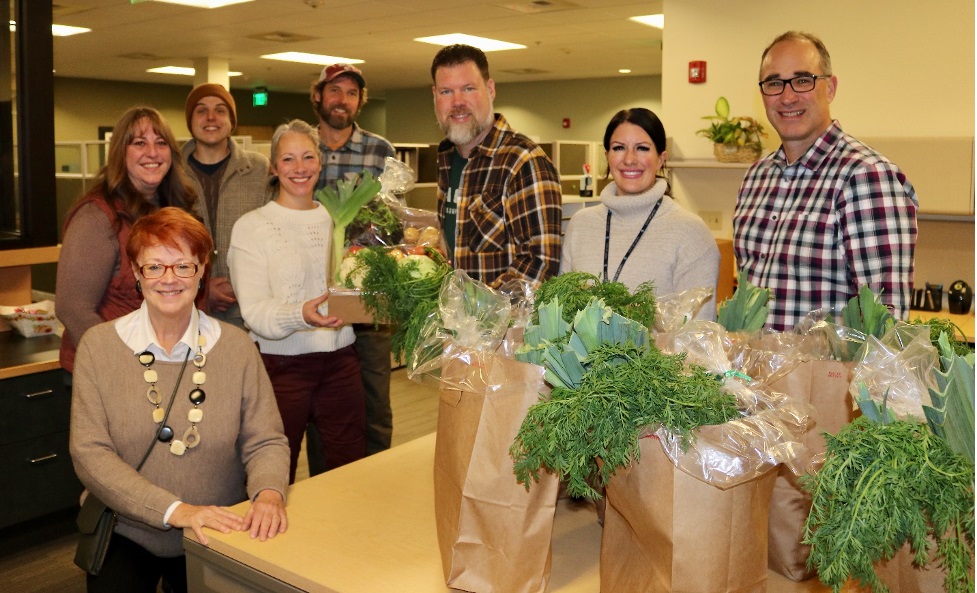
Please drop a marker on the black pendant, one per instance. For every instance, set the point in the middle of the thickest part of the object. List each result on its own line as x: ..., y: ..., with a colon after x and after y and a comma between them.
x: 166, y: 434
x: 146, y: 358
x: 197, y: 396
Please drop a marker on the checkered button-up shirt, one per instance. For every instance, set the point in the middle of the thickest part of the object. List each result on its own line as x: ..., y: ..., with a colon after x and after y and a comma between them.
x: 816, y: 230
x: 363, y: 151
x: 509, y: 208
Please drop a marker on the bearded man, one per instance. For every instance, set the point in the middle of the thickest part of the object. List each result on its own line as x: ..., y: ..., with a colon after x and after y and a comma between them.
x: 338, y: 98
x: 499, y: 195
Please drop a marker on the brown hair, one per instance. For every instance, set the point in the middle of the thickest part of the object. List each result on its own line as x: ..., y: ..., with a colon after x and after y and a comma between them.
x: 801, y: 36
x: 170, y: 227
x: 113, y: 184
x: 454, y: 55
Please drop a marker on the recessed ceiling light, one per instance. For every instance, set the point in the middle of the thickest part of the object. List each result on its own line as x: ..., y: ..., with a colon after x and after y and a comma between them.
x: 57, y: 30
x: 67, y: 30
x: 625, y: 71
x: 482, y: 43
x: 181, y: 71
x: 197, y: 3
x: 652, y: 20
x: 305, y: 58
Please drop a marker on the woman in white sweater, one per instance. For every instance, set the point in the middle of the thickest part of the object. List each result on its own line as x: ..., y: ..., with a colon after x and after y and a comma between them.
x: 278, y: 258
x: 638, y: 233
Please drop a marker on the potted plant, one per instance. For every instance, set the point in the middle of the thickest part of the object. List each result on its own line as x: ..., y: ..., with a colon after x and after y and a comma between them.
x: 736, y: 139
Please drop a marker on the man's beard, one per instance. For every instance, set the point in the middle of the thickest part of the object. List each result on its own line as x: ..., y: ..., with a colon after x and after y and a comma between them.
x: 337, y: 121
x: 462, y: 134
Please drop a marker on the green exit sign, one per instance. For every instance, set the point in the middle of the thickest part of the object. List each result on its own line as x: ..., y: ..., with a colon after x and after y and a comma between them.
x: 259, y: 97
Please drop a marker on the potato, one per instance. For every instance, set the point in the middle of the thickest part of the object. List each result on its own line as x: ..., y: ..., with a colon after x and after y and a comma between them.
x: 429, y: 236
x: 411, y: 234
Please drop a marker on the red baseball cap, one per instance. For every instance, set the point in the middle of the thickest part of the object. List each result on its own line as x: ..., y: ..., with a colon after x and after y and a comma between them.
x: 334, y: 71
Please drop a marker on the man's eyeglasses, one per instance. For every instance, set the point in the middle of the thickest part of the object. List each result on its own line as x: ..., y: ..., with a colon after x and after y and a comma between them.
x: 182, y: 270
x: 800, y: 84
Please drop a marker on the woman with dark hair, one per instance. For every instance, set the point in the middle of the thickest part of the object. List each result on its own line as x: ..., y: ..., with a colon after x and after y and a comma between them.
x: 279, y: 257
x: 173, y: 417
x: 645, y: 235
x: 142, y: 173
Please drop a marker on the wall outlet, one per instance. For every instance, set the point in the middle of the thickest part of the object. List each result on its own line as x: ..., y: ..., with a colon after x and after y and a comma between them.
x: 713, y: 219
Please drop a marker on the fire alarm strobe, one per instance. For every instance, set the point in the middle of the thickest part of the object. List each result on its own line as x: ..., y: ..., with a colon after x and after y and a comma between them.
x: 697, y: 71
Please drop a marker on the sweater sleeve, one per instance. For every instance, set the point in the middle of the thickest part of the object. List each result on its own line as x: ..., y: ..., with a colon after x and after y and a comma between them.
x: 250, y: 258
x: 697, y: 266
x: 88, y: 260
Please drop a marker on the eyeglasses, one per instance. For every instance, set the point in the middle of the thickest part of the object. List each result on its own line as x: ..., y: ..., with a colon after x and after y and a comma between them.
x: 182, y: 270
x: 800, y: 84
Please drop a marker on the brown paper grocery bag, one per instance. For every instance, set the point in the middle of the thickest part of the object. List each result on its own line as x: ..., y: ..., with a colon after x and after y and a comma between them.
x: 823, y: 383
x: 900, y: 575
x: 667, y: 532
x: 493, y: 534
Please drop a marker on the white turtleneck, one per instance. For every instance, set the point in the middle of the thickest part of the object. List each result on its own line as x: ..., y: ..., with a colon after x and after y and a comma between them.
x: 676, y: 252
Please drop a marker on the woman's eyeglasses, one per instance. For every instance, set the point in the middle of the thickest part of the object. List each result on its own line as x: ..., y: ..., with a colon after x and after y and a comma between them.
x: 182, y: 270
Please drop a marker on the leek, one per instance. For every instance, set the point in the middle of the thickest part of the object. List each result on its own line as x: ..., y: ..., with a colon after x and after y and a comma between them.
x: 343, y: 205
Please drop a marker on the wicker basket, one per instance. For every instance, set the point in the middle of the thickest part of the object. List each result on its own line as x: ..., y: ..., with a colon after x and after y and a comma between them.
x: 733, y: 153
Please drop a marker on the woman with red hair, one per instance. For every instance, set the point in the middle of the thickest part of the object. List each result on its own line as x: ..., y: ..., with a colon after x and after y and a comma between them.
x: 213, y: 433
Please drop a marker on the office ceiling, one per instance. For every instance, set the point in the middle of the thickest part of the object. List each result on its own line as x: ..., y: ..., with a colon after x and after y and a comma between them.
x: 565, y: 39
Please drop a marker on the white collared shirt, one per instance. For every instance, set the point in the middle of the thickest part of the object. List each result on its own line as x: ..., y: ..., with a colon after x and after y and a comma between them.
x: 136, y: 330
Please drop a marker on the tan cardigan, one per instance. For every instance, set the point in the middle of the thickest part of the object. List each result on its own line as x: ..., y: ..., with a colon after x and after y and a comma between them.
x: 242, y: 447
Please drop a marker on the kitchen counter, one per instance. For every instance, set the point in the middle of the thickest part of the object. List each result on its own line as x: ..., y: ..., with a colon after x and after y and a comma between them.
x: 964, y: 321
x: 369, y: 527
x: 23, y: 356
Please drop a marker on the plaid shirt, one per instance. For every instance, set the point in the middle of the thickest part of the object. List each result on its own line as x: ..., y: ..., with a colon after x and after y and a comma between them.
x: 363, y: 151
x: 816, y: 230
x: 509, y: 208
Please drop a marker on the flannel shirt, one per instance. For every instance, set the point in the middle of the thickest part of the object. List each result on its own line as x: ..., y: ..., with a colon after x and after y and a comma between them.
x: 363, y: 151
x: 509, y: 208
x: 816, y: 230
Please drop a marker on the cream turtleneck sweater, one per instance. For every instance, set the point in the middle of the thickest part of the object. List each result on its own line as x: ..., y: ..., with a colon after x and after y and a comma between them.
x: 677, y: 252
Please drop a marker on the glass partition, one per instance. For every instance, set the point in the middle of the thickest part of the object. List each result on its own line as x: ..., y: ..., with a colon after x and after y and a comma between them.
x: 27, y: 195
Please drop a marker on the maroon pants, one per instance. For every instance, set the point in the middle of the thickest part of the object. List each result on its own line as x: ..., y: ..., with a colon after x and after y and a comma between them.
x: 324, y: 389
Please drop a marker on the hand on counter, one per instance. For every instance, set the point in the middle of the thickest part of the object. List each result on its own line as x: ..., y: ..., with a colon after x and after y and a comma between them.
x: 214, y: 517
x: 266, y: 518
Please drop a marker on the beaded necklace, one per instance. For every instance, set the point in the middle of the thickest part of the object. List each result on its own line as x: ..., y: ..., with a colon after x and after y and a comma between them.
x: 191, y: 438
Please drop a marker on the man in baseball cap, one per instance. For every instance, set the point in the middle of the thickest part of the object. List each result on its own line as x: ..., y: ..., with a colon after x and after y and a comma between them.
x: 228, y: 180
x: 337, y: 98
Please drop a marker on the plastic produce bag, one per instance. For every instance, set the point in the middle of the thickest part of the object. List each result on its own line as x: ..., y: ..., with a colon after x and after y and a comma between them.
x: 471, y: 315
x: 899, y: 368
x: 674, y: 310
x: 742, y: 449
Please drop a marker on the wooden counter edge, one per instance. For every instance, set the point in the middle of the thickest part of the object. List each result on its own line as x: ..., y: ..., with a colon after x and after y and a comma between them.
x: 29, y: 368
x: 30, y: 256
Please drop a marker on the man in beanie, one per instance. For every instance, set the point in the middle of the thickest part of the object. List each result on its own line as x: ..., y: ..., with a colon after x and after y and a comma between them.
x: 337, y: 98
x: 229, y: 181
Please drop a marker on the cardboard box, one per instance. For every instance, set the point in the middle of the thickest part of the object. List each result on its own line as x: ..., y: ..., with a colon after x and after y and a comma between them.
x: 348, y: 306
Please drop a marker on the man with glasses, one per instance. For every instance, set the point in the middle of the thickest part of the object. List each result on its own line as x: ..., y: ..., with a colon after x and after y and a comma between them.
x: 824, y: 214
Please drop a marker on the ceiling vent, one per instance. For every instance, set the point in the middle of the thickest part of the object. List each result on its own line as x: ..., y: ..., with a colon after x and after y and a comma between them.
x: 141, y: 55
x: 281, y: 37
x: 525, y: 71
x: 539, y: 6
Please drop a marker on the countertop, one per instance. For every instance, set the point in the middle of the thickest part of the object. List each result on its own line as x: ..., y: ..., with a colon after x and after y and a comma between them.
x: 369, y: 527
x: 965, y: 321
x: 23, y: 356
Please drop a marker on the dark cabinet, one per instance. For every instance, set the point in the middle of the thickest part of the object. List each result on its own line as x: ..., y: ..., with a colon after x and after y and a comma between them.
x: 34, y: 461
